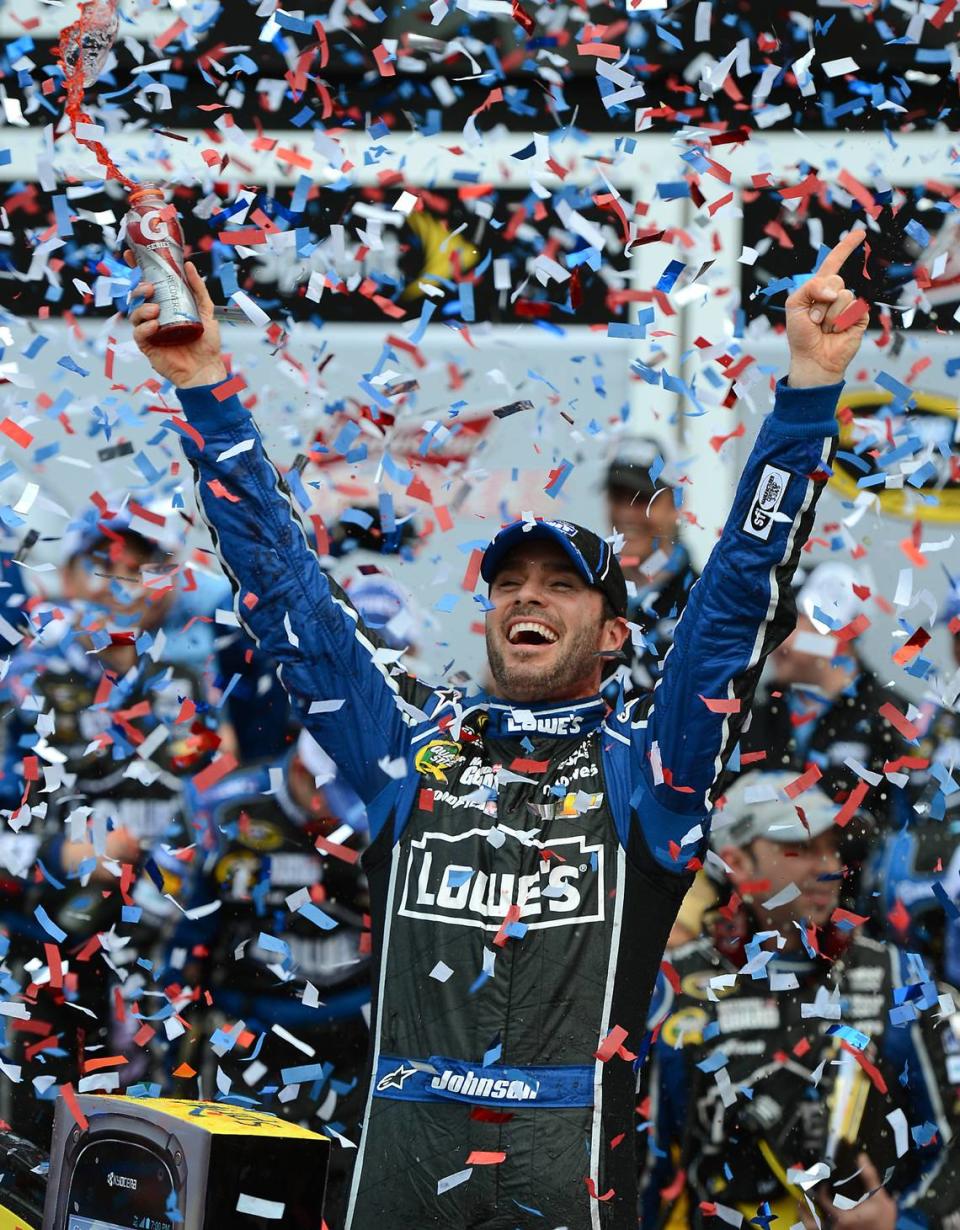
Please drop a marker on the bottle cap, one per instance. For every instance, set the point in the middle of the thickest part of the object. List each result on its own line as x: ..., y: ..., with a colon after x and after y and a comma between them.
x: 145, y: 190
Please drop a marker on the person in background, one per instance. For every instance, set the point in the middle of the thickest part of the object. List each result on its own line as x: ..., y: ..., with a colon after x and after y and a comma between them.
x: 257, y: 702
x: 914, y: 879
x: 820, y: 711
x: 283, y: 957
x: 100, y: 737
x: 193, y: 619
x: 278, y: 844
x: 789, y: 1052
x: 641, y: 506
x: 822, y: 704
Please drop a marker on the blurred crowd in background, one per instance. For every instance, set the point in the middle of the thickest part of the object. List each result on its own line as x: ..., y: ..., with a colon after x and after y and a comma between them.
x: 184, y: 905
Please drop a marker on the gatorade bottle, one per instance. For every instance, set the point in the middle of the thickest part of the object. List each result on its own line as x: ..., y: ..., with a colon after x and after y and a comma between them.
x: 154, y: 236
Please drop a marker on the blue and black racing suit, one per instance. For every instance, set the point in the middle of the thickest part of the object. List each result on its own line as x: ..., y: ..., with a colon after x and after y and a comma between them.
x: 766, y: 1065
x: 526, y: 861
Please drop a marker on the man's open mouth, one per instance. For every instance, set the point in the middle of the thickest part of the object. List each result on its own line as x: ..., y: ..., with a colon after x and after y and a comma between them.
x: 531, y: 632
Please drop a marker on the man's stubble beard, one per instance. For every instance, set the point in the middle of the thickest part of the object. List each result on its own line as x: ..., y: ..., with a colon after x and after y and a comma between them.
x: 532, y: 682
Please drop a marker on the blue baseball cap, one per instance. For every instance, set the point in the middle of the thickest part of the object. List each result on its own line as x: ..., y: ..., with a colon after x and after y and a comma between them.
x: 592, y: 556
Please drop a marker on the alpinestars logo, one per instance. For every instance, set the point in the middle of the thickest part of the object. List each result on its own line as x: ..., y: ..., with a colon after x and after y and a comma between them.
x: 767, y: 499
x: 395, y: 1079
x: 443, y: 883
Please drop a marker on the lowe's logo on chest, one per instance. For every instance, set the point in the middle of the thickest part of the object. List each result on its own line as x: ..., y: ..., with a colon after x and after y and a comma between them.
x: 454, y: 880
x: 523, y: 721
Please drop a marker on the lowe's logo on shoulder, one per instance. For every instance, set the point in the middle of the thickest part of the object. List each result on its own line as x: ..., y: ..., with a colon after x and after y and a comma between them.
x: 767, y: 499
x: 525, y: 721
x: 445, y: 883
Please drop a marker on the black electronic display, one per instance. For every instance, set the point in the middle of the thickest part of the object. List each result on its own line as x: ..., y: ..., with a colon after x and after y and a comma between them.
x: 124, y: 1185
x: 124, y: 1163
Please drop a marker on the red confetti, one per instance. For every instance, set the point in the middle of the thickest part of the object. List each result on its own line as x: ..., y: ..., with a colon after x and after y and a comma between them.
x: 849, y: 316
x: 16, y: 433
x: 229, y: 388
x: 512, y: 915
x: 611, y: 1044
x: 721, y: 705
x: 879, y: 1083
x: 68, y: 1095
x: 910, y: 648
x: 671, y: 975
x: 899, y: 917
x: 183, y: 426
x: 529, y: 766
x: 472, y: 574
x: 852, y: 805
x: 898, y: 721
x: 717, y: 442
x: 215, y: 771
x: 803, y: 782
x: 592, y: 1189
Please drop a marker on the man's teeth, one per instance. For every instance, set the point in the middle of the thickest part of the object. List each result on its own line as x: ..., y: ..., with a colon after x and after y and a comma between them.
x: 548, y: 634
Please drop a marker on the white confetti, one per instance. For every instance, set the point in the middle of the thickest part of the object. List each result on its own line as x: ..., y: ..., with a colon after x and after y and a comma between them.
x: 454, y: 1180
x: 272, y: 1210
x: 785, y: 895
x: 326, y: 706
x: 256, y: 315
x: 898, y: 1121
x: 836, y: 68
x: 235, y: 450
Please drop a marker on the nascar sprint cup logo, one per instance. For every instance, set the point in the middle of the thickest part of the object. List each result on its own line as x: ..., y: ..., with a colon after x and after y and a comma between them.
x: 443, y: 883
x: 767, y: 499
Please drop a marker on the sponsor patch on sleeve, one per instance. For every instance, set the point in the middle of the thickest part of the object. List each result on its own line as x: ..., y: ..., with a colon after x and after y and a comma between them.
x: 766, y: 502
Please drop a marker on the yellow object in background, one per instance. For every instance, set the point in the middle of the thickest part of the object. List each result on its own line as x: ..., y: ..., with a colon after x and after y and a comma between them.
x: 13, y: 1221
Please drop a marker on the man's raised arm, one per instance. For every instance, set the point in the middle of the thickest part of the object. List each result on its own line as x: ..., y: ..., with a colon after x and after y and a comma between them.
x: 336, y: 671
x: 743, y: 606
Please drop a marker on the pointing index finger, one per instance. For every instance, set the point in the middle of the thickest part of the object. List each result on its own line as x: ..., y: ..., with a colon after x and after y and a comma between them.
x: 835, y: 258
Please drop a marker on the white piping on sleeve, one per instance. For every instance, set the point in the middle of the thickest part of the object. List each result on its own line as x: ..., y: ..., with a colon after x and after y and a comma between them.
x: 596, y: 1140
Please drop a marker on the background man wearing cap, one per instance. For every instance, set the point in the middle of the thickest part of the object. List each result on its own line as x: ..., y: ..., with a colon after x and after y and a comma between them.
x: 264, y: 834
x: 99, y: 741
x: 641, y: 507
x: 528, y: 851
x: 756, y: 1092
x: 822, y: 703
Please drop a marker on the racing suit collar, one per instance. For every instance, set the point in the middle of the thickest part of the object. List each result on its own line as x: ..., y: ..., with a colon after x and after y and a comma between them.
x: 560, y: 719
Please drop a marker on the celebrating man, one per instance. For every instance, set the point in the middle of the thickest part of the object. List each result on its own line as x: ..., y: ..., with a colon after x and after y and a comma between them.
x: 529, y: 851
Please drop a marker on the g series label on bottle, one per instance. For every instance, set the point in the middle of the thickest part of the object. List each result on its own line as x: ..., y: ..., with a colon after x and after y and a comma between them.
x: 449, y: 880
x: 156, y: 240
